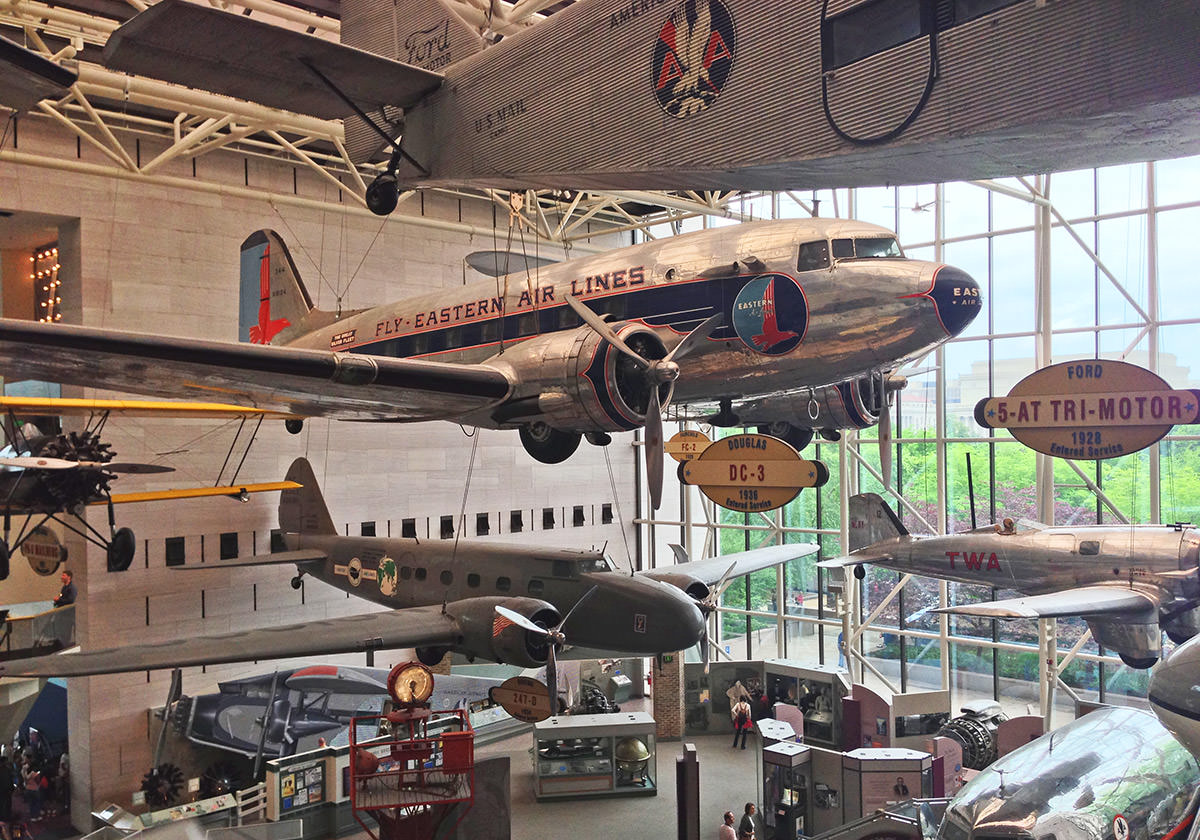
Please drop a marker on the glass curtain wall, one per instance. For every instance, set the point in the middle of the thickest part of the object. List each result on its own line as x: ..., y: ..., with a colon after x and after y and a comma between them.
x: 1116, y: 283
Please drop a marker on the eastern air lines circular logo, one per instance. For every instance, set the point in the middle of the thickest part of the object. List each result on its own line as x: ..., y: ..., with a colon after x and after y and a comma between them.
x: 693, y: 57
x: 770, y: 314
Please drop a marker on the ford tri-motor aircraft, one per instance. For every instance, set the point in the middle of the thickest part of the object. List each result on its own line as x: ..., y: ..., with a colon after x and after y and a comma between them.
x: 794, y: 324
x: 511, y: 604
x: 1129, y: 582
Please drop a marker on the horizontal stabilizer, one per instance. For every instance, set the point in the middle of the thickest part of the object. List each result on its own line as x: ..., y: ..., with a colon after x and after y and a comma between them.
x: 279, y: 558
x: 712, y: 569
x: 206, y: 48
x: 1084, y: 601
x: 500, y: 263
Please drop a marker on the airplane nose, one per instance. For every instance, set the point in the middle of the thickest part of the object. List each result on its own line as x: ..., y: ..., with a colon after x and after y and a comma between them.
x: 956, y: 298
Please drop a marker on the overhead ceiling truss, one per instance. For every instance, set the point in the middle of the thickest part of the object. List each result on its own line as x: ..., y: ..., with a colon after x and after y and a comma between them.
x: 104, y: 109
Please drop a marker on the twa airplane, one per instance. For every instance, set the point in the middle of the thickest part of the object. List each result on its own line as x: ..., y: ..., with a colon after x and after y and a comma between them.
x: 1129, y: 582
x: 794, y: 325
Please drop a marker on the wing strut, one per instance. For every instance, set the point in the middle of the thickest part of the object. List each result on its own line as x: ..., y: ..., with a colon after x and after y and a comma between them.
x: 383, y: 194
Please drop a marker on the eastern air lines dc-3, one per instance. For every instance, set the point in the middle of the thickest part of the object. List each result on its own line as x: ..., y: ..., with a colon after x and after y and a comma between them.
x: 792, y: 324
x: 511, y: 604
x: 1129, y: 582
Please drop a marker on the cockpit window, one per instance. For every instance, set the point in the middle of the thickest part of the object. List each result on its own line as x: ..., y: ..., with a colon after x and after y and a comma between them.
x: 813, y: 255
x: 598, y: 563
x: 866, y: 248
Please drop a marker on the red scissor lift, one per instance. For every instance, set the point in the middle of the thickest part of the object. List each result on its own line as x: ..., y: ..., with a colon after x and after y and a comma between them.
x: 411, y: 785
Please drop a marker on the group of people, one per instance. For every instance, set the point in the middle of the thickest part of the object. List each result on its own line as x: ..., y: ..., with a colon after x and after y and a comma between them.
x: 745, y: 828
x: 33, y: 784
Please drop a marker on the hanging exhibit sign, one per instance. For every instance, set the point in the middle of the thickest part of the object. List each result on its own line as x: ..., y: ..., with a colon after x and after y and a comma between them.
x: 687, y: 445
x: 751, y: 473
x: 524, y: 698
x: 1090, y: 409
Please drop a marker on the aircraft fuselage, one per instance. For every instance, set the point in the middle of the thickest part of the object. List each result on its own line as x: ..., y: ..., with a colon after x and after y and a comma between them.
x: 629, y: 614
x: 793, y: 319
x: 1049, y: 560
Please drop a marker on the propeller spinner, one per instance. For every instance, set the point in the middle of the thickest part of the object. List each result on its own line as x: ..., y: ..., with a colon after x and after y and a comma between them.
x: 657, y: 372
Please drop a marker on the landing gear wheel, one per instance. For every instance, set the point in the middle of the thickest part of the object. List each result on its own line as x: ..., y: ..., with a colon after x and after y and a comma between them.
x: 548, y: 444
x: 294, y: 427
x: 598, y: 438
x: 793, y: 436
x: 860, y: 572
x: 121, y: 550
x: 297, y: 581
x: 383, y: 195
x: 1141, y: 663
x: 831, y: 435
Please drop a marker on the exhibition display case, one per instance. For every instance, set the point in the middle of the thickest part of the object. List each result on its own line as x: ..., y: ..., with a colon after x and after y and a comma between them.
x: 595, y: 755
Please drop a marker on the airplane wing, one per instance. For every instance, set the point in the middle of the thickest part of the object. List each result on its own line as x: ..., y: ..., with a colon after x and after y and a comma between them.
x: 232, y: 491
x: 844, y: 562
x: 712, y: 569
x: 311, y: 383
x: 1085, y: 601
x: 201, y: 47
x: 38, y: 406
x: 376, y: 631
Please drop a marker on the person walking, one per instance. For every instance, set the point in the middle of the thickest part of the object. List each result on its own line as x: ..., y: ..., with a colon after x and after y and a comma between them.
x: 727, y: 831
x: 740, y: 714
x: 746, y: 826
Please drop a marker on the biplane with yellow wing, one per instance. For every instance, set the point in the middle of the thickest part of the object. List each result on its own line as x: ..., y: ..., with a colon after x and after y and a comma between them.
x: 51, y: 477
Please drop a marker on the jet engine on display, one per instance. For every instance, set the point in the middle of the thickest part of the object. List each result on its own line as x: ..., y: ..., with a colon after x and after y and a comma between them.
x: 975, y: 730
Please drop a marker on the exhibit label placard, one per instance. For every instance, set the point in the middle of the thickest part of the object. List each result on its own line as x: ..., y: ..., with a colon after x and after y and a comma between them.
x: 524, y: 698
x: 1090, y: 410
x: 687, y: 445
x: 750, y: 473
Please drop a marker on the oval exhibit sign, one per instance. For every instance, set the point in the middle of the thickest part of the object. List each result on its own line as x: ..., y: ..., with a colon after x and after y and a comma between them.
x: 524, y: 698
x: 1090, y: 409
x: 752, y: 473
x: 43, y: 551
x: 687, y: 445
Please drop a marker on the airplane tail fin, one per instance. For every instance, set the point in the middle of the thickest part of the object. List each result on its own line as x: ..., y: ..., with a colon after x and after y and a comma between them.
x: 872, y: 520
x: 303, y: 510
x: 274, y: 305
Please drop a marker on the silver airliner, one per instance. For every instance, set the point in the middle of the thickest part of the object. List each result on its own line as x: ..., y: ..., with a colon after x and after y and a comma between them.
x: 795, y: 325
x: 1129, y: 582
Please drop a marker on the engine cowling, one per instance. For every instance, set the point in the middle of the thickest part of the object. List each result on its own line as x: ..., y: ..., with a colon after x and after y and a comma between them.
x: 695, y: 588
x: 488, y: 635
x: 575, y: 381
x: 855, y: 404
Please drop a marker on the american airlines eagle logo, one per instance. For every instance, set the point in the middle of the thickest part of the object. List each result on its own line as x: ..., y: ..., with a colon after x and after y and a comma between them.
x: 770, y: 314
x: 693, y: 57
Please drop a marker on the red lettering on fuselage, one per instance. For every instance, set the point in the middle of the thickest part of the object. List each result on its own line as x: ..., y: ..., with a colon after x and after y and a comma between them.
x: 974, y: 560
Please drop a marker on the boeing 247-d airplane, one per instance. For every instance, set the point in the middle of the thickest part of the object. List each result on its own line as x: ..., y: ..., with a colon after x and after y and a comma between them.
x: 512, y: 604
x: 793, y: 323
x: 1129, y: 582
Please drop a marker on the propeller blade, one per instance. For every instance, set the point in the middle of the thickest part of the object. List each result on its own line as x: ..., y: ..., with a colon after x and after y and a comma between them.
x: 722, y: 585
x: 552, y: 679
x: 885, y: 444
x: 601, y: 326
x: 705, y: 657
x: 34, y: 462
x: 576, y: 606
x: 521, y: 621
x: 695, y: 338
x: 680, y: 553
x: 135, y: 469
x: 654, y: 449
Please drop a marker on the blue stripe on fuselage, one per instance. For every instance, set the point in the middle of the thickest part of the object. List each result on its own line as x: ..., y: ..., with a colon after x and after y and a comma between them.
x: 679, y: 306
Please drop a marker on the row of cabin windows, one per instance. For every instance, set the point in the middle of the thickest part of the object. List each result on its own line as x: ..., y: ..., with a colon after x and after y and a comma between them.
x: 474, y: 581
x: 228, y: 549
